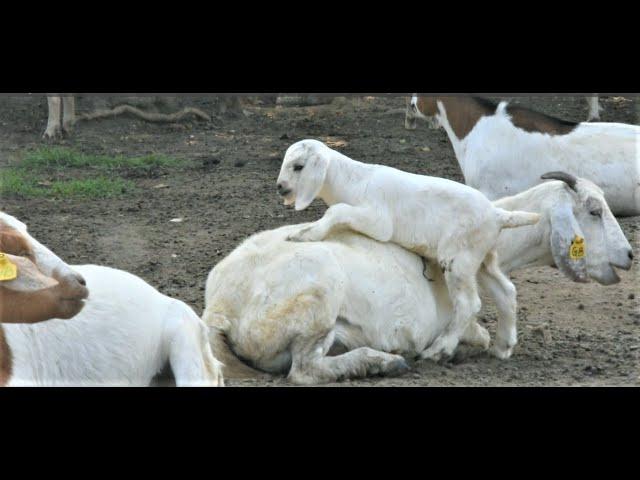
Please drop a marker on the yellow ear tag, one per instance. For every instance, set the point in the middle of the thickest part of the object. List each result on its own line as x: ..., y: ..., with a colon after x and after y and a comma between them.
x: 576, y: 251
x: 8, y: 270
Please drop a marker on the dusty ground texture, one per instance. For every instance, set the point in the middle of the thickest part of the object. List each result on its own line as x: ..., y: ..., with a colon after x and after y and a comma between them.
x: 570, y: 334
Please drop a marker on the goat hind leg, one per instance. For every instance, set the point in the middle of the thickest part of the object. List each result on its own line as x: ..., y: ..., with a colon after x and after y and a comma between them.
x: 466, y: 305
x: 190, y: 355
x: 504, y: 294
x: 311, y: 366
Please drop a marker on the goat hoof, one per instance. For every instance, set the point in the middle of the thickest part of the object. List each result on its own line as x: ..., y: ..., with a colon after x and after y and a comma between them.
x: 397, y: 368
x: 503, y: 353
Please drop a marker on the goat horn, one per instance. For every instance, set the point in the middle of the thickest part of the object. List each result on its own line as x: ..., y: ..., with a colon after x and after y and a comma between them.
x: 563, y: 176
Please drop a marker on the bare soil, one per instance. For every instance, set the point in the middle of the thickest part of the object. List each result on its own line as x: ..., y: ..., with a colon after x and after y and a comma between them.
x: 570, y: 334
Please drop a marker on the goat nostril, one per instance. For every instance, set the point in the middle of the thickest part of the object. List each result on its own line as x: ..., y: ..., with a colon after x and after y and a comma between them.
x: 279, y: 187
x: 630, y: 254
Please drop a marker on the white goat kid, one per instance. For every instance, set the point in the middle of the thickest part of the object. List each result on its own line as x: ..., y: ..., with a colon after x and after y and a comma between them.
x: 503, y: 150
x: 125, y: 334
x: 434, y: 217
x: 282, y: 306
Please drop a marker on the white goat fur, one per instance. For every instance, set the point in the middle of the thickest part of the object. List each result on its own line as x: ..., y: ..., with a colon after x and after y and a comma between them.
x: 437, y: 218
x: 125, y: 334
x: 282, y: 305
x: 500, y: 159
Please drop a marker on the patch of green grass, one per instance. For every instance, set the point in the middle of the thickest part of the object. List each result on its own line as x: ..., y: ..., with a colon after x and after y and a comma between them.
x: 94, y: 176
x: 13, y: 182
x: 25, y: 184
x: 59, y: 157
x: 100, y: 187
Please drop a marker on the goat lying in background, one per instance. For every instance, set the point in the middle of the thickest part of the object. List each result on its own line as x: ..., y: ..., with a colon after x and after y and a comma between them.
x: 125, y: 334
x: 503, y: 150
x: 281, y: 306
x: 436, y: 218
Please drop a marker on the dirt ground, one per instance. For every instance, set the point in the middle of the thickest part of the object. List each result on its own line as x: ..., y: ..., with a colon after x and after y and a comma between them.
x: 227, y: 192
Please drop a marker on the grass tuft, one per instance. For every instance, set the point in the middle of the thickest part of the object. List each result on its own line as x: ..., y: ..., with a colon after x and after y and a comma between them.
x: 59, y: 157
x: 27, y: 177
x: 24, y: 184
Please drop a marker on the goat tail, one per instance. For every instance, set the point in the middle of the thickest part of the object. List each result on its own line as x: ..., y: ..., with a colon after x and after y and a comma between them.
x: 233, y: 366
x: 509, y: 219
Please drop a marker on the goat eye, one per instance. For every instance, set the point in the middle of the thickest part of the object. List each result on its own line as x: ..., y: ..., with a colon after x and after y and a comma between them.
x: 596, y: 213
x: 297, y: 168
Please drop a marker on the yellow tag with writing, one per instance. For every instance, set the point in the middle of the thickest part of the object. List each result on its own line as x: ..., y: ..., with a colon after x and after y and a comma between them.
x: 576, y: 251
x: 8, y: 270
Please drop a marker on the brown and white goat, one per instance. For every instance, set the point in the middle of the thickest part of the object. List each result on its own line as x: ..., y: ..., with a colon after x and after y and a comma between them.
x: 125, y: 335
x: 503, y: 150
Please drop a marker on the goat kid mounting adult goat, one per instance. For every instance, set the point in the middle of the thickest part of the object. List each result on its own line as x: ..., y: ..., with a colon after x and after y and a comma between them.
x: 436, y: 218
x: 287, y: 307
x: 503, y: 150
x: 126, y: 333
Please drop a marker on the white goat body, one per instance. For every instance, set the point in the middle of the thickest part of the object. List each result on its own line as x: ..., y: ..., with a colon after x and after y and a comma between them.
x: 500, y: 159
x: 126, y: 333
x: 283, y: 305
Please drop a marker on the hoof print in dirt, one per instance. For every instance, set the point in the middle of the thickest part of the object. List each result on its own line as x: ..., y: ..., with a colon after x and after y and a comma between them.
x: 239, y: 164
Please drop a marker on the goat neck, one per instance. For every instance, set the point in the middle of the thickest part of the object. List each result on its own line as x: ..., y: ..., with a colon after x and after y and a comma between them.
x: 345, y: 179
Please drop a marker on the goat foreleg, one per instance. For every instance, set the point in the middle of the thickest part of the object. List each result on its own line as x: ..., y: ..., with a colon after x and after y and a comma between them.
x: 342, y: 216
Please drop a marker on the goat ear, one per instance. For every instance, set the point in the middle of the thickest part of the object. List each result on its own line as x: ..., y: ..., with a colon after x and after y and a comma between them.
x: 311, y: 180
x: 565, y: 230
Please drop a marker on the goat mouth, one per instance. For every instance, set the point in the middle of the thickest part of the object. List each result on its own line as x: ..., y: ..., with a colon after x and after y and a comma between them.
x: 611, y: 278
x: 288, y: 198
x: 79, y: 296
x: 625, y: 267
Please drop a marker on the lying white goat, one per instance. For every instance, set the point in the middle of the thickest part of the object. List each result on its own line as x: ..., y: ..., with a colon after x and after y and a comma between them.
x: 434, y: 217
x: 281, y: 306
x: 126, y: 334
x: 502, y: 150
